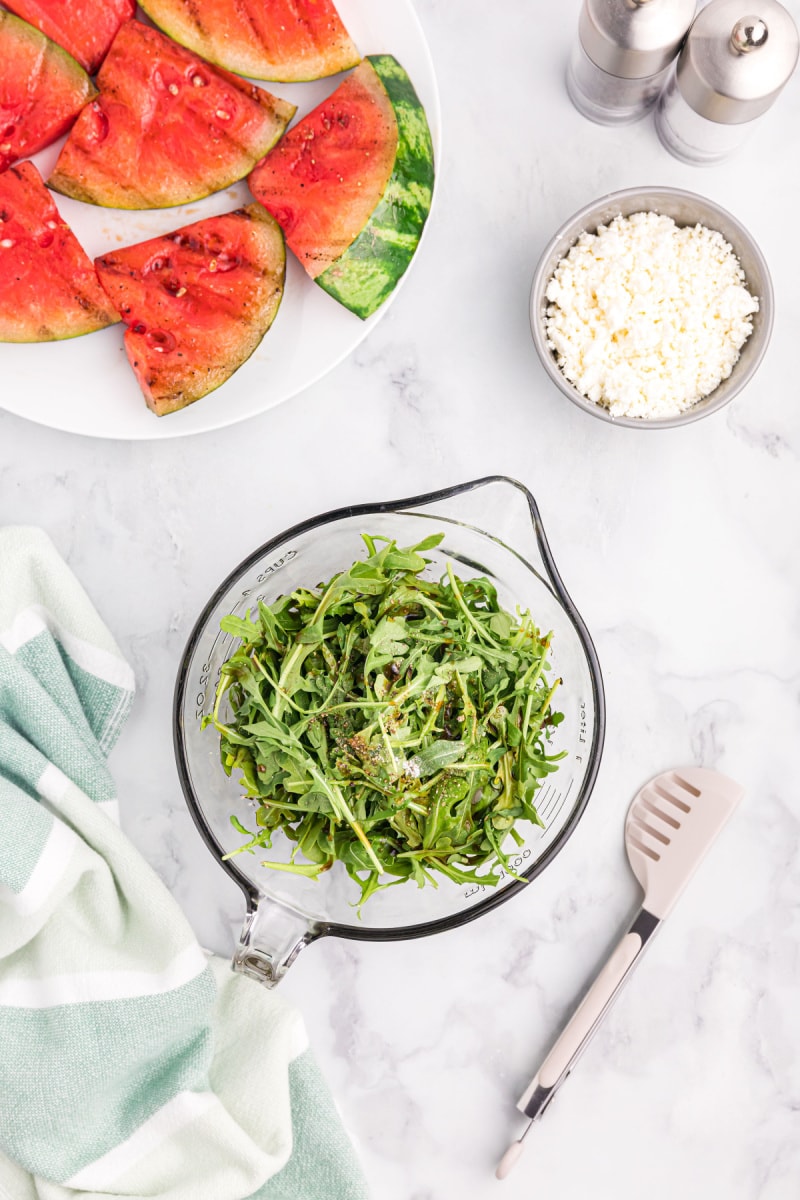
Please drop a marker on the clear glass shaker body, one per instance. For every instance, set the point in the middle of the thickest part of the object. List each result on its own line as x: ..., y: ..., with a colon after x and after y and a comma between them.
x: 609, y: 99
x: 691, y: 137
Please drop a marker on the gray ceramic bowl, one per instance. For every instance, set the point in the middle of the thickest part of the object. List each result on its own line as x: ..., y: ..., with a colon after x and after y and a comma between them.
x: 685, y: 208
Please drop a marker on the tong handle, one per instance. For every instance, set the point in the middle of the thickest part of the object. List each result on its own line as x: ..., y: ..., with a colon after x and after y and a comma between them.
x: 586, y: 1019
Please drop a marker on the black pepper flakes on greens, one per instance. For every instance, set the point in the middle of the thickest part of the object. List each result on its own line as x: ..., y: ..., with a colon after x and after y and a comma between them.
x: 398, y: 724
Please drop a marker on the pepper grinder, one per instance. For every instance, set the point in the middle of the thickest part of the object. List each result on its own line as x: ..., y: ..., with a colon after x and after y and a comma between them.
x: 735, y: 61
x: 622, y: 56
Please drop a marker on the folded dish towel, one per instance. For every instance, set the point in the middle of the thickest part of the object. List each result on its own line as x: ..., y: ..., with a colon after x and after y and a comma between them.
x: 131, y: 1063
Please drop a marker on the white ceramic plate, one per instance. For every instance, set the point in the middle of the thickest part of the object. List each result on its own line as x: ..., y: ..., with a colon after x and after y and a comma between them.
x: 85, y: 385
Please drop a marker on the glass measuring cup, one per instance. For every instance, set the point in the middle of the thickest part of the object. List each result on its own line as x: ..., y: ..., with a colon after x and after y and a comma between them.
x: 491, y: 527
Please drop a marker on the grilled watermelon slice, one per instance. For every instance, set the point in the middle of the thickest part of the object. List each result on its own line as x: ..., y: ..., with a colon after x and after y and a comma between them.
x: 351, y: 184
x: 196, y: 302
x: 42, y: 90
x: 85, y: 28
x: 166, y: 128
x: 48, y: 286
x: 282, y: 40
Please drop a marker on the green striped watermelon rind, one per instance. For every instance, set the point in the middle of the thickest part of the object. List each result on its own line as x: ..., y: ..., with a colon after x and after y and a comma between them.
x: 369, y: 270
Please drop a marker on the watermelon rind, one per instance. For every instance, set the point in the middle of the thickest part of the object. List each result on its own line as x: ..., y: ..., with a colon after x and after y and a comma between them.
x: 41, y: 92
x: 369, y: 270
x: 213, y: 317
x: 49, y: 290
x: 141, y: 144
x: 230, y: 36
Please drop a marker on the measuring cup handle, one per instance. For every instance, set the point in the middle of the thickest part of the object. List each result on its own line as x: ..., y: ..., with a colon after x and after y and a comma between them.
x: 271, y: 939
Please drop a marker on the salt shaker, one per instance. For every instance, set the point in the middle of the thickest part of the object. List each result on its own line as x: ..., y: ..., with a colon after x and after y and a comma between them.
x: 736, y: 59
x: 622, y: 56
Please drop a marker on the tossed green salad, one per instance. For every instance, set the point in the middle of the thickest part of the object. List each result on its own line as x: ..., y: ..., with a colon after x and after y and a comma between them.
x: 398, y: 724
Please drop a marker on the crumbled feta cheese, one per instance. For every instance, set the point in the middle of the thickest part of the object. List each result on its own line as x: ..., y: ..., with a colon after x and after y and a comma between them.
x: 646, y: 317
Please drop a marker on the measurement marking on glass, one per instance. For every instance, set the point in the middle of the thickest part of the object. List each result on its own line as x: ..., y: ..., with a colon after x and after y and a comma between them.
x: 563, y: 799
x: 541, y: 808
x: 556, y: 804
x: 205, y: 676
x: 552, y: 806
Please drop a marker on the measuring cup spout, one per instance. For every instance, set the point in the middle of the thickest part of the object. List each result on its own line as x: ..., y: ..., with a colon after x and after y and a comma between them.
x: 507, y: 511
x: 272, y: 937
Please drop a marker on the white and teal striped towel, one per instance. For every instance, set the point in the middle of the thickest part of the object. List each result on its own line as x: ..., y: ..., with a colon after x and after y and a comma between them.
x: 131, y: 1063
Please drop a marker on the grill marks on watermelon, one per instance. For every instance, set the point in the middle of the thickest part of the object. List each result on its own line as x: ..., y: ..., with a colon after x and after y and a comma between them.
x: 85, y: 28
x: 166, y: 128
x: 197, y: 302
x: 324, y: 179
x: 351, y: 184
x: 42, y: 90
x: 282, y: 40
x: 48, y: 285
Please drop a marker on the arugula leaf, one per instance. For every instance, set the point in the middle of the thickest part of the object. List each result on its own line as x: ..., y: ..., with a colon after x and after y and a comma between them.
x: 396, y: 724
x: 437, y: 755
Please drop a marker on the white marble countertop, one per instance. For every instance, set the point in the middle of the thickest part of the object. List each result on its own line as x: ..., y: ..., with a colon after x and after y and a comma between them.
x: 680, y: 548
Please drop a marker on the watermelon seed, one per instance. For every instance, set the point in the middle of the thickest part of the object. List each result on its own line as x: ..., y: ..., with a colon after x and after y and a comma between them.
x: 139, y: 328
x: 225, y: 262
x: 223, y: 116
x: 7, y: 243
x: 198, y: 80
x: 45, y: 240
x: 161, y: 340
x: 160, y: 263
x: 173, y: 89
x: 100, y: 130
